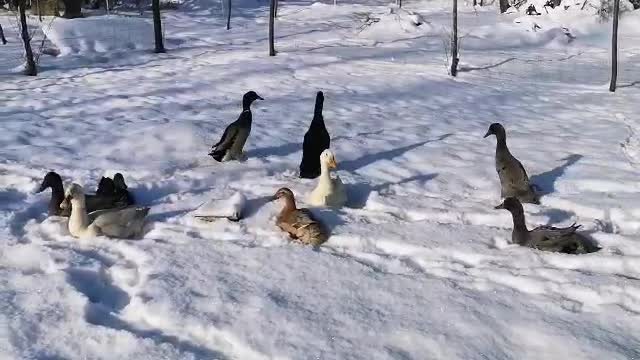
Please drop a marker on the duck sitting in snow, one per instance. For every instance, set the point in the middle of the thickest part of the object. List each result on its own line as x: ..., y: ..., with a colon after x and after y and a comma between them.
x: 299, y: 223
x: 123, y: 223
x: 546, y: 238
x: 329, y: 192
x: 103, y: 199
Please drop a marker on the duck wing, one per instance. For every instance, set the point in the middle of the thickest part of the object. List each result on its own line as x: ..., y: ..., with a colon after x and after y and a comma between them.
x: 121, y: 223
x: 565, y: 240
x: 302, y: 226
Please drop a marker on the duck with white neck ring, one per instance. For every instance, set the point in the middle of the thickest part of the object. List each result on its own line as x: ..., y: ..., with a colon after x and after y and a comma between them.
x: 330, y: 191
x: 124, y: 223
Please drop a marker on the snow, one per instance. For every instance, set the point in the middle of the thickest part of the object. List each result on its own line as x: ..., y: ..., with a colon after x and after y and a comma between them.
x: 99, y: 34
x: 419, y: 266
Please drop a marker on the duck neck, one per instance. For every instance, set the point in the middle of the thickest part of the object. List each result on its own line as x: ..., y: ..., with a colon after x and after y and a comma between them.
x: 325, y: 175
x: 57, y: 196
x: 78, y: 220
x: 502, y: 140
x: 289, y: 204
x: 246, y: 105
x: 519, y: 224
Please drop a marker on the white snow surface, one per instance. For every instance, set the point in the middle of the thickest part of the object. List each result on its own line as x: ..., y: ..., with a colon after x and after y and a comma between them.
x: 420, y: 266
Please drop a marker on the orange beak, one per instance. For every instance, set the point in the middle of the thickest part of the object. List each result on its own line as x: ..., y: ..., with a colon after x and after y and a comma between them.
x: 332, y: 163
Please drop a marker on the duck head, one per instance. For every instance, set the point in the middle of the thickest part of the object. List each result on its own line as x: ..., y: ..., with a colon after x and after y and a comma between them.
x: 118, y: 181
x: 512, y: 204
x: 283, y: 193
x: 105, y: 186
x: 74, y: 196
x: 51, y: 180
x: 329, y: 159
x: 249, y: 98
x: 495, y: 129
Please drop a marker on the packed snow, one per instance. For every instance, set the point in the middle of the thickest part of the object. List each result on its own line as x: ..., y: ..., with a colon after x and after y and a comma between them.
x: 419, y: 266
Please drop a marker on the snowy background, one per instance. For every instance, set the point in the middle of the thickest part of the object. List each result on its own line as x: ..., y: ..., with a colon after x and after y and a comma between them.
x: 420, y: 265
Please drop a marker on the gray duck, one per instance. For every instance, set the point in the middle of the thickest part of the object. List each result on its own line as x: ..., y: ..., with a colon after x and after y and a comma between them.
x: 546, y: 238
x: 514, y: 181
x: 102, y: 200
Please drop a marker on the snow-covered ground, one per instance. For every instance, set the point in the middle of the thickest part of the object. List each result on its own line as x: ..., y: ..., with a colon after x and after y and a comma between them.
x: 420, y: 265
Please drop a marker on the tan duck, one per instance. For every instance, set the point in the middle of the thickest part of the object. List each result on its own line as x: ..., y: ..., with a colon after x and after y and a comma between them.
x: 299, y: 223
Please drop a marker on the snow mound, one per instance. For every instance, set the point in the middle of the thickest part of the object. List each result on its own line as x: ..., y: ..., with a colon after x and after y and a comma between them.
x: 99, y: 34
x: 395, y: 24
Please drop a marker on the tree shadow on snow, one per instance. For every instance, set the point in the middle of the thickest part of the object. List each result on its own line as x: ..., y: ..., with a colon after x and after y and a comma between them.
x: 365, y: 160
x: 279, y: 151
x: 359, y: 193
x: 546, y: 181
x: 630, y: 84
x: 486, y: 67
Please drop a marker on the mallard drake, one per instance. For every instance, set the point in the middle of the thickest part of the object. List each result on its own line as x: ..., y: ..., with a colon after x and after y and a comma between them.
x: 123, y: 223
x: 299, y: 223
x: 329, y: 191
x: 547, y: 238
x: 102, y: 200
x: 316, y: 140
x: 514, y: 181
x: 235, y: 135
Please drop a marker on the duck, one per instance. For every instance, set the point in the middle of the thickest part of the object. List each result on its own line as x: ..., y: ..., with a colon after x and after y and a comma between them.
x: 235, y: 135
x: 316, y: 140
x: 125, y: 223
x: 546, y: 238
x: 300, y: 224
x: 99, y: 201
x: 514, y: 181
x: 231, y: 208
x: 115, y: 187
x: 329, y: 191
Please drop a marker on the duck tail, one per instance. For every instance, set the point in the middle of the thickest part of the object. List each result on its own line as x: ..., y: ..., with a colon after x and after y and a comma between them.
x: 317, y: 111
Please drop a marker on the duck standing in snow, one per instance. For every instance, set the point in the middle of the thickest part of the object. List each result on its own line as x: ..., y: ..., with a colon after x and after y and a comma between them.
x: 329, y: 191
x: 316, y: 140
x: 123, y: 223
x: 513, y: 177
x: 546, y: 238
x: 235, y: 135
x: 299, y: 223
x: 102, y: 200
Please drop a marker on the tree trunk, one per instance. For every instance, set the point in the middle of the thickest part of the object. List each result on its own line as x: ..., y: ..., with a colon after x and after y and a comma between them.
x: 30, y: 68
x: 504, y: 6
x: 399, y: 3
x: 454, y: 40
x: 157, y: 26
x: 4, y: 40
x: 72, y: 9
x: 45, y: 7
x: 228, y: 14
x: 275, y: 13
x: 272, y: 15
x: 614, y: 47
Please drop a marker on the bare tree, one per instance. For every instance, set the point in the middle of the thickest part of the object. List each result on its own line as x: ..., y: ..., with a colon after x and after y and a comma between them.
x: 454, y: 40
x: 504, y: 6
x: 4, y: 40
x: 157, y: 26
x: 272, y: 15
x: 30, y: 68
x: 614, y: 47
x: 228, y: 14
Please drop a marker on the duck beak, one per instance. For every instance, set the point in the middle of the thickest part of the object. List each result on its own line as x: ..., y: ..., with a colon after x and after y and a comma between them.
x: 260, y: 97
x: 487, y: 134
x: 501, y: 206
x: 333, y: 164
x: 42, y: 187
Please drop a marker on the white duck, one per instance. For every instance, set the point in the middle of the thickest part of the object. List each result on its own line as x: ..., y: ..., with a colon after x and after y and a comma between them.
x: 329, y: 192
x: 123, y: 223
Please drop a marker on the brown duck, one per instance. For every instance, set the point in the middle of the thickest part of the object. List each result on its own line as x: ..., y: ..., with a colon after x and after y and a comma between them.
x: 299, y: 223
